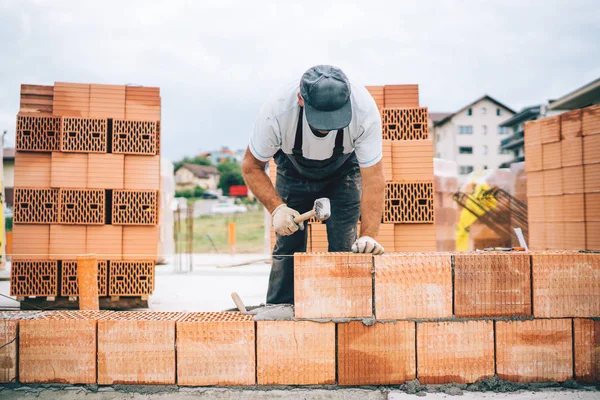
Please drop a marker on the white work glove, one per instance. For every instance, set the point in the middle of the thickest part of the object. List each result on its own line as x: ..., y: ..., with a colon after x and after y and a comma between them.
x: 367, y: 244
x: 283, y: 220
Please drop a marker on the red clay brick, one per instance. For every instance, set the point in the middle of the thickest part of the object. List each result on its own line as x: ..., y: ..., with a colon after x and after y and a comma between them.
x: 216, y: 349
x: 591, y: 149
x: 553, y: 182
x: 9, y: 328
x: 137, y: 348
x: 68, y: 170
x: 539, y: 350
x: 142, y: 172
x: 572, y: 180
x: 570, y: 124
x: 140, y: 242
x: 591, y: 120
x: 575, y: 236
x: 295, y: 353
x: 67, y: 241
x: 413, y: 285
x: 534, y: 157
x: 105, y: 241
x: 32, y: 169
x: 535, y: 183
x: 551, y: 155
x: 459, y: 352
x: 566, y: 285
x: 333, y: 285
x: 592, y: 207
x: 105, y: 171
x: 414, y: 237
x: 587, y: 350
x: 491, y: 284
x: 381, y: 354
x: 533, y: 133
x: 31, y: 242
x: 591, y: 176
x: 59, y: 347
x: 550, y: 129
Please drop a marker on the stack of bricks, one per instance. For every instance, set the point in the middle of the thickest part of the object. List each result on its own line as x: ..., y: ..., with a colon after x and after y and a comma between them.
x: 87, y: 174
x: 408, y: 218
x: 563, y: 180
x: 446, y: 209
x: 359, y: 320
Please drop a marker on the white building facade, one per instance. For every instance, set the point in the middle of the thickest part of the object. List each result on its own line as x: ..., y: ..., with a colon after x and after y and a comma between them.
x: 471, y: 136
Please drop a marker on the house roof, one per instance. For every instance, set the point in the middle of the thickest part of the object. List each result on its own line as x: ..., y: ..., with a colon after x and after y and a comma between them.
x: 584, y: 96
x: 201, y: 171
x: 438, y: 116
x: 484, y: 97
x: 525, y: 114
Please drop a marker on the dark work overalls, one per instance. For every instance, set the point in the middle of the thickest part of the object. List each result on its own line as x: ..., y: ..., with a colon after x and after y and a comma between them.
x: 299, y: 183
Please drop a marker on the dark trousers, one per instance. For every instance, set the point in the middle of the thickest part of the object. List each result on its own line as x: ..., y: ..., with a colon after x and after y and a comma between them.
x: 344, y: 192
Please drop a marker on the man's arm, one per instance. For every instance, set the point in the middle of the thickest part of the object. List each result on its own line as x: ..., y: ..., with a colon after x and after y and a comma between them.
x: 371, y: 204
x: 259, y: 183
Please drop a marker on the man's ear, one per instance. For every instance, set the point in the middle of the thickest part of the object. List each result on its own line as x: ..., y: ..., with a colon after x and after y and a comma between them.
x: 300, y: 100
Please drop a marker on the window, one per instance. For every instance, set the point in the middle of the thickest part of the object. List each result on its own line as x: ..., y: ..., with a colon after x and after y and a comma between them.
x: 465, y: 150
x: 483, y: 110
x: 465, y: 129
x: 484, y: 129
x: 465, y: 169
x: 470, y: 111
x: 503, y: 130
x: 484, y: 150
x: 504, y: 151
x: 498, y: 112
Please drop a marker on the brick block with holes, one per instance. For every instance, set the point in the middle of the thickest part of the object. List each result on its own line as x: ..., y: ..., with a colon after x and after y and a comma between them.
x: 216, y: 349
x: 142, y: 172
x: 140, y: 242
x: 539, y: 350
x: 137, y: 348
x: 105, y: 171
x: 82, y: 206
x: 586, y: 343
x: 37, y: 133
x: 492, y: 284
x: 69, y: 286
x: 413, y: 285
x: 134, y: 137
x: 414, y: 237
x: 67, y: 242
x: 31, y: 242
x: 459, y: 352
x: 405, y: 123
x: 295, y: 353
x: 32, y: 169
x: 9, y: 337
x: 34, y: 278
x: 105, y: 241
x: 381, y: 354
x: 329, y: 285
x: 566, y: 284
x: 135, y: 207
x: 68, y: 170
x: 83, y: 135
x: 35, y: 206
x: 59, y: 347
x: 131, y: 278
x: 409, y: 202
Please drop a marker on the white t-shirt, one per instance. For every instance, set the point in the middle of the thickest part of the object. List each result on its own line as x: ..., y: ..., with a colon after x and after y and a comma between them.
x: 275, y: 128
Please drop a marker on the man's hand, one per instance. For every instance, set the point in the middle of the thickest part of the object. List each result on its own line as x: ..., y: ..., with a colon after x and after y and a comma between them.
x: 367, y: 244
x: 283, y: 220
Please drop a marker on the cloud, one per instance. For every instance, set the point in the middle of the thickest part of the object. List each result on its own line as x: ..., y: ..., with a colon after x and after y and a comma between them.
x: 217, y: 61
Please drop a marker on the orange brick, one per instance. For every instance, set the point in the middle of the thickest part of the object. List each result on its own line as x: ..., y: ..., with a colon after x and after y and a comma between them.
x: 31, y: 242
x: 318, y: 242
x: 67, y: 241
x: 537, y: 235
x: 107, y: 101
x: 571, y: 152
x: 551, y: 155
x: 216, y: 349
x: 553, y: 182
x: 142, y: 172
x: 412, y: 160
x: 535, y: 209
x: 550, y: 129
x: 9, y: 328
x: 575, y: 238
x: 413, y: 285
x: 591, y: 149
x: 555, y: 235
x: 377, y: 93
x: 586, y: 340
x: 535, y: 183
x: 591, y: 120
x: 414, y: 237
x: 566, y: 285
x: 295, y: 353
x: 533, y: 133
x: 491, y: 284
x: 534, y: 351
x: 137, y: 348
x: 32, y: 169
x: 140, y: 242
x: 458, y: 352
x: 105, y: 241
x: 570, y: 124
x: 71, y: 99
x: 329, y: 285
x: 385, y: 237
x: 592, y: 207
x: 572, y: 181
x: 533, y: 153
x: 59, y: 347
x: 387, y: 159
x: 573, y: 207
x: 381, y: 354
x: 591, y: 176
x: 68, y: 170
x: 554, y: 209
x: 592, y: 235
x: 401, y: 96
x: 105, y: 171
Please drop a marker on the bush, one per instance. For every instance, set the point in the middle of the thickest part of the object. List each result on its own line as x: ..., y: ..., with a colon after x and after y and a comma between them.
x: 198, y: 191
x: 187, y: 193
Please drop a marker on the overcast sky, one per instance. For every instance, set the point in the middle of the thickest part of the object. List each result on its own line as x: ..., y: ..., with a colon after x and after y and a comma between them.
x: 217, y: 61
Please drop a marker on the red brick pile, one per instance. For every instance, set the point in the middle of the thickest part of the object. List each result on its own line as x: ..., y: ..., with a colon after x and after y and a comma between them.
x: 87, y: 175
x: 438, y: 317
x: 563, y: 180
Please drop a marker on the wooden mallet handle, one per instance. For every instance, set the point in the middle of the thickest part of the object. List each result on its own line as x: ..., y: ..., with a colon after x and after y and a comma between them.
x: 303, y: 217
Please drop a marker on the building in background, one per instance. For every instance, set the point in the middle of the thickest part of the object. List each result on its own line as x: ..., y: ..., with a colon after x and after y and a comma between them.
x: 515, y: 142
x: 584, y: 96
x: 9, y: 176
x: 471, y: 136
x: 218, y: 156
x: 191, y: 175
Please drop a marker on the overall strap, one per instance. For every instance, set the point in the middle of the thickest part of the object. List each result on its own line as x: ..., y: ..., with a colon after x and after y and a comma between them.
x: 298, y: 140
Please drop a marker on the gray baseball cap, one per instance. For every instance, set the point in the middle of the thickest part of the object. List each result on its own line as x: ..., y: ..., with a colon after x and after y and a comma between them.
x: 326, y: 93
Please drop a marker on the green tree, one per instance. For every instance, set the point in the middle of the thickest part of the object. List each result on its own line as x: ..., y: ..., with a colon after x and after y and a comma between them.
x: 198, y: 191
x: 231, y: 175
x: 192, y: 160
x: 187, y: 193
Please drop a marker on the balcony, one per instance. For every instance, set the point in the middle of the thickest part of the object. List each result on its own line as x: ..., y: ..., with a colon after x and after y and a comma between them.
x: 514, y: 141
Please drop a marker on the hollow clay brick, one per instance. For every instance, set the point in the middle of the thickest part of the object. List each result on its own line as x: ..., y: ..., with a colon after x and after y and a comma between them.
x: 591, y: 149
x: 105, y: 241
x: 572, y: 180
x: 550, y: 129
x: 37, y: 132
x: 551, y: 155
x: 414, y: 237
x: 142, y: 172
x: 401, y: 96
x: 591, y: 120
x: 68, y: 170
x: 412, y: 160
x: 32, y: 169
x: 586, y: 341
x: 31, y: 242
x: 9, y: 337
x: 570, y: 124
x: 105, y: 171
x: 67, y: 241
x: 572, y: 152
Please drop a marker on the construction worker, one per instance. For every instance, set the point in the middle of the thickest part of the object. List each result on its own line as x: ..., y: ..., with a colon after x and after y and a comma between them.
x: 324, y: 133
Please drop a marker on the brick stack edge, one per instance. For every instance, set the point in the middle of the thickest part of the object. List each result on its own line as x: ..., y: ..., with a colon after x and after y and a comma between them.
x: 437, y: 317
x: 87, y: 178
x: 408, y: 222
x: 563, y: 180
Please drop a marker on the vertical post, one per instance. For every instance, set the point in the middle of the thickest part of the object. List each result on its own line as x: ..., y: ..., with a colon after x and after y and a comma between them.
x: 232, y: 238
x: 3, y: 206
x: 87, y: 281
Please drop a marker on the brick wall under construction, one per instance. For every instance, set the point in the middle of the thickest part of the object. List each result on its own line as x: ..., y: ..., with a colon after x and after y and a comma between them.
x: 359, y: 320
x: 87, y: 175
x: 563, y: 180
x: 408, y: 222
